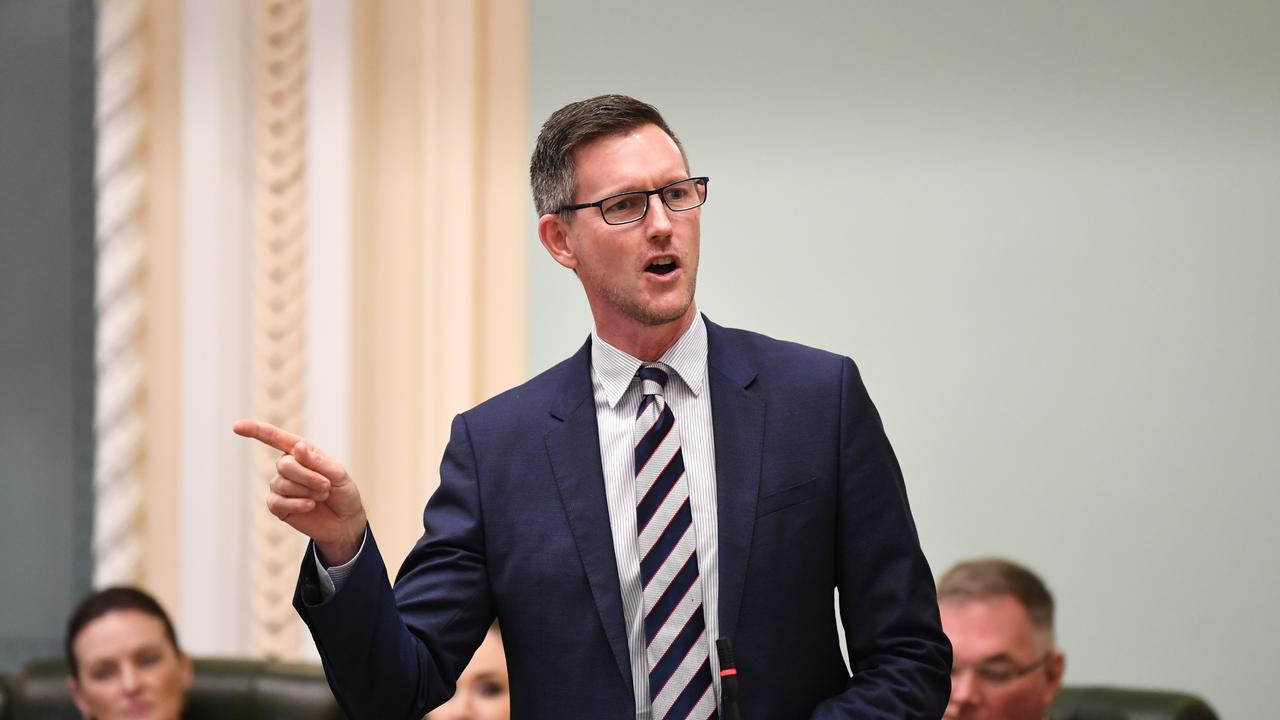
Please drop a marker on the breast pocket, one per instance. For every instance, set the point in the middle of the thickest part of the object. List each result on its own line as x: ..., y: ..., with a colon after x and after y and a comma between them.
x: 787, y: 497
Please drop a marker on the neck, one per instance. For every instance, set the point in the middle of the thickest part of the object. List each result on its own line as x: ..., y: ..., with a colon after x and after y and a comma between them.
x: 647, y: 342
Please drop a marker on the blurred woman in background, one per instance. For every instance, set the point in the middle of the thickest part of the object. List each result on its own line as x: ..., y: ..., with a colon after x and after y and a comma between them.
x: 482, y: 692
x: 124, y: 659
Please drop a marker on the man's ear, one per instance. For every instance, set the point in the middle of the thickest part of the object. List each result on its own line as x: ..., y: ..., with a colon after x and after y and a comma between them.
x: 1055, y: 667
x: 74, y: 686
x: 553, y: 231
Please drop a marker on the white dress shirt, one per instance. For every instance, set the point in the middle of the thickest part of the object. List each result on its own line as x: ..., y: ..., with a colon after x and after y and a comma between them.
x: 617, y: 395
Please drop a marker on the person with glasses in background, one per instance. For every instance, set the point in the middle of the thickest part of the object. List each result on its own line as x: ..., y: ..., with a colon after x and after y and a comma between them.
x: 999, y: 617
x: 672, y: 484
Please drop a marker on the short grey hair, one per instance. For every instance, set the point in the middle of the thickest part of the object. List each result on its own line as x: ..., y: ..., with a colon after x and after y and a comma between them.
x: 993, y: 577
x: 552, y: 172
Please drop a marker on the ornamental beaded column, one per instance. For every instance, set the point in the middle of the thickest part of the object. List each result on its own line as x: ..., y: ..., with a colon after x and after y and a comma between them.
x: 279, y: 299
x: 120, y: 238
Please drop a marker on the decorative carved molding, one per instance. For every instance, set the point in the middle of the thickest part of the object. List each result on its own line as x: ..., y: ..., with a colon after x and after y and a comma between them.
x: 121, y: 245
x: 279, y: 292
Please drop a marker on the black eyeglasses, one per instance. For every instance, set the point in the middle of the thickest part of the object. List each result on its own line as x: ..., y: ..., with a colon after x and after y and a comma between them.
x: 1000, y: 672
x: 629, y: 207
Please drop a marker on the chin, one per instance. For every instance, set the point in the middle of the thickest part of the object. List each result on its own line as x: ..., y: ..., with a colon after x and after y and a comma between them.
x: 662, y: 319
x: 667, y: 313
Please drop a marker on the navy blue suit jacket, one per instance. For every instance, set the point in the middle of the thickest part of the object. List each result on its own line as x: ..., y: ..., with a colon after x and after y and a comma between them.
x: 810, y: 498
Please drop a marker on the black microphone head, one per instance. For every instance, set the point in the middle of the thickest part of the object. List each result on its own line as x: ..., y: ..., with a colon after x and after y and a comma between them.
x: 724, y: 649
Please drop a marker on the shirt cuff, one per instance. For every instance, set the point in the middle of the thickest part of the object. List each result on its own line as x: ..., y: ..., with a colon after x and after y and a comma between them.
x: 333, y: 578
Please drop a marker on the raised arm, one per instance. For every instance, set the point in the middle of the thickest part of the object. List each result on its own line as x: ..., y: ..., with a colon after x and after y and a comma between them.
x: 388, y: 653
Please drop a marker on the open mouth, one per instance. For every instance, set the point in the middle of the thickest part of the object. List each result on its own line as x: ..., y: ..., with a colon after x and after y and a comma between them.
x: 661, y: 266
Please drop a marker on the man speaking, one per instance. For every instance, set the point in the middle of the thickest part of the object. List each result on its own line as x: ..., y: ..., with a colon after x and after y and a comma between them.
x: 670, y: 484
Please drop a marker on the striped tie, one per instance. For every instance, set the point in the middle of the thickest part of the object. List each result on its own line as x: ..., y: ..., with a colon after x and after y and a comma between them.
x: 674, y: 630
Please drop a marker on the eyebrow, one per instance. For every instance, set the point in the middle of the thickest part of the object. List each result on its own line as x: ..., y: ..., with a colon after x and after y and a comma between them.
x: 148, y: 647
x: 98, y: 664
x: 635, y: 189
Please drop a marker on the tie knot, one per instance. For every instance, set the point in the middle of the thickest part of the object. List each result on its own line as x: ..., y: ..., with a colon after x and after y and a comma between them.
x: 653, y: 378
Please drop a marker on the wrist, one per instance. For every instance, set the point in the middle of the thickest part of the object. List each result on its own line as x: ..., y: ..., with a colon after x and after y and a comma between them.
x: 340, y: 551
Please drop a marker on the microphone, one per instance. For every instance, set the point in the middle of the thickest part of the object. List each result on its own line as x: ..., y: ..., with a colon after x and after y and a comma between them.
x: 728, y: 680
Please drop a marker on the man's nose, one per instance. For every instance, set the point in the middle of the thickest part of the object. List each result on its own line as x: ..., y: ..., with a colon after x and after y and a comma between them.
x: 659, y: 218
x: 965, y: 688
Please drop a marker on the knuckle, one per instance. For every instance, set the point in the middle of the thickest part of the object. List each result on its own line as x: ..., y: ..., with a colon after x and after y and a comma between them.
x: 273, y: 506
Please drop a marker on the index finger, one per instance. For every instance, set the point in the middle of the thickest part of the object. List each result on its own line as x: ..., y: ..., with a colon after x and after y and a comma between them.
x: 263, y: 432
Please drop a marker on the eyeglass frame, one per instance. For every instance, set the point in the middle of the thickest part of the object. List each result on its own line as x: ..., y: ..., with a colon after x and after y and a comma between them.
x: 990, y: 677
x: 599, y: 204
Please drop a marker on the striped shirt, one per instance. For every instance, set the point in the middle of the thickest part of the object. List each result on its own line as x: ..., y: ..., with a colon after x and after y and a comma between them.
x: 617, y: 396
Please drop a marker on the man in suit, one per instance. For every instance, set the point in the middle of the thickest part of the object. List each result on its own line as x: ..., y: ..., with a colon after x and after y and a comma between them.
x: 670, y: 484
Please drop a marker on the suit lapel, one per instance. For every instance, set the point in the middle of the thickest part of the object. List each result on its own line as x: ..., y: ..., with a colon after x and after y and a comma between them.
x: 738, y: 418
x: 738, y: 415
x: 574, y: 450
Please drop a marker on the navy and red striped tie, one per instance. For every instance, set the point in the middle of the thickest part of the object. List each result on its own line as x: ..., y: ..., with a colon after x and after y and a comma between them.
x: 674, y: 629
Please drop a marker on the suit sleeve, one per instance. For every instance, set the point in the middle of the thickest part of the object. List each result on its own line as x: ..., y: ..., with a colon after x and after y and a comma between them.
x: 397, y: 652
x: 899, y: 657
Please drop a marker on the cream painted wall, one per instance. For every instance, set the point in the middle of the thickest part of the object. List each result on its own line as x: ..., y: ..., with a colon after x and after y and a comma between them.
x: 1047, y: 232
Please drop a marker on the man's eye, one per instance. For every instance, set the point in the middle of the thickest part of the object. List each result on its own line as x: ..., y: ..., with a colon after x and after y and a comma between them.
x: 621, y: 205
x: 102, y: 672
x: 148, y: 658
x: 996, y: 673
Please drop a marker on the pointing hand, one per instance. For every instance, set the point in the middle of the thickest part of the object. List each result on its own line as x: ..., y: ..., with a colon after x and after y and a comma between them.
x: 312, y: 492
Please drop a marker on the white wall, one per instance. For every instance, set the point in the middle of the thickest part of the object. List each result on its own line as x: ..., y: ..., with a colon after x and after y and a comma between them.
x: 1048, y: 232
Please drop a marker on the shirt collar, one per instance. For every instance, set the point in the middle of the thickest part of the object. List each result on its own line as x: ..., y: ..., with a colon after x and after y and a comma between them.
x: 616, y: 368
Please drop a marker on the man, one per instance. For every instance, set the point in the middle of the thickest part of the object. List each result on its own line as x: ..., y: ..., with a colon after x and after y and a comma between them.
x: 670, y: 484
x: 999, y: 617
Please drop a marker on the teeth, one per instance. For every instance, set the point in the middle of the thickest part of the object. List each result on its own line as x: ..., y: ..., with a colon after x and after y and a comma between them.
x: 664, y: 261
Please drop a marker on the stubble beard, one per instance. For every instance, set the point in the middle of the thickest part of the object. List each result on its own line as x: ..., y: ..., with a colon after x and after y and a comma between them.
x: 646, y: 315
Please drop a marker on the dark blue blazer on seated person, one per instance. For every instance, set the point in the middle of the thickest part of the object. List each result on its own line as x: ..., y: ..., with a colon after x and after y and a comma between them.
x: 810, y: 498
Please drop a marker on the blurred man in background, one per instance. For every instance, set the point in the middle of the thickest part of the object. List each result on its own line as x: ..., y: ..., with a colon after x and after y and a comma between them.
x: 999, y: 618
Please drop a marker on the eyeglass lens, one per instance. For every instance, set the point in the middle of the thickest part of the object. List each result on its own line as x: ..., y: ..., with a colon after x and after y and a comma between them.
x: 629, y: 207
x: 999, y: 673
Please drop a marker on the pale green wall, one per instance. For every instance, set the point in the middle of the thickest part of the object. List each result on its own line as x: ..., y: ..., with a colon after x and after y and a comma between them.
x: 46, y: 321
x: 1050, y: 235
